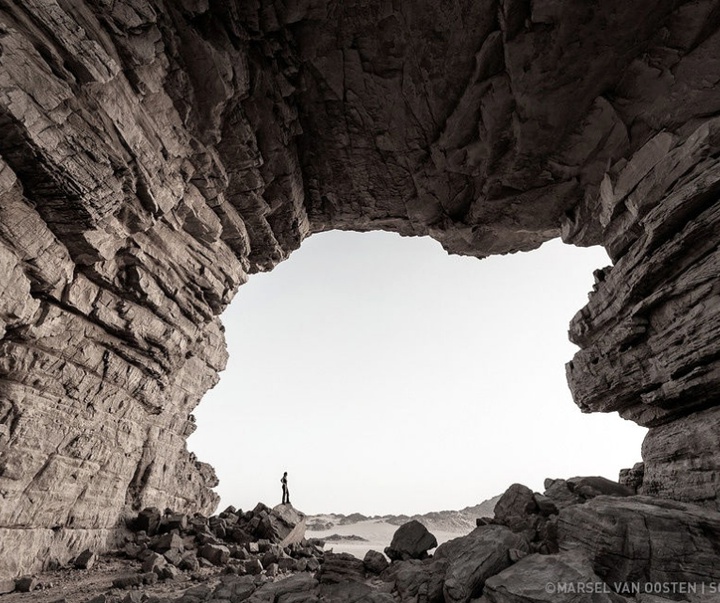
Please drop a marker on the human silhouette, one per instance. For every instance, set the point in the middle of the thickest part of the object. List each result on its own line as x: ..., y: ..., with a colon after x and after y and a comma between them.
x: 286, y: 492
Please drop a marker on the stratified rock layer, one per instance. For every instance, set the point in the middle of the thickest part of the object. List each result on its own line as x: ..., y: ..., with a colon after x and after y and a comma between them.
x: 153, y: 153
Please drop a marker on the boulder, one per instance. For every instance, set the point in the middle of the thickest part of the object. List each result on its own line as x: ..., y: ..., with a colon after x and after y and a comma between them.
x: 85, y: 560
x: 287, y: 564
x: 272, y: 555
x: 565, y: 578
x: 174, y: 557
x: 240, y: 536
x: 375, y: 562
x: 26, y: 584
x: 312, y: 564
x: 559, y: 493
x: 148, y: 520
x: 590, y: 487
x: 189, y: 562
x: 240, y: 589
x: 350, y: 592
x: 640, y: 538
x: 201, y: 592
x: 132, y: 550
x: 545, y: 505
x: 633, y: 478
x: 252, y: 567
x: 166, y: 542
x: 301, y: 565
x: 260, y: 508
x: 287, y: 525
x: 293, y: 589
x: 412, y: 540
x: 217, y: 554
x: 169, y: 572
x: 272, y: 570
x: 474, y: 558
x: 416, y: 580
x: 517, y: 508
x: 174, y: 521
x: 341, y: 567
x: 134, y: 580
x: 153, y: 563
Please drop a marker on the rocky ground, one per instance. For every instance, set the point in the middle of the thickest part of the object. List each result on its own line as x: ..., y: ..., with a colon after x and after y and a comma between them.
x: 583, y: 539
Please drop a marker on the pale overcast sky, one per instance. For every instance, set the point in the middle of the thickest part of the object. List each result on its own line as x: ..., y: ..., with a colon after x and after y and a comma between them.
x: 386, y: 376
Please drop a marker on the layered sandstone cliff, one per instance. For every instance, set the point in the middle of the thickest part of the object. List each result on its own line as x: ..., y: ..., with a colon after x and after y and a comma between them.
x: 153, y: 153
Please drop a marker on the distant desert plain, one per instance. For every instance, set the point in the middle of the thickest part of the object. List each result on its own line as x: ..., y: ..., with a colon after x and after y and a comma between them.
x: 357, y: 534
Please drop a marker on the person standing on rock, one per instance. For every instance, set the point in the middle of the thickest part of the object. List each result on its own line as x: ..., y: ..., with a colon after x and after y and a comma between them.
x: 286, y: 492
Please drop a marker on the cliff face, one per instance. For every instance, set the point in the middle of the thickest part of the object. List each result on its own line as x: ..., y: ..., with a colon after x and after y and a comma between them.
x: 153, y: 153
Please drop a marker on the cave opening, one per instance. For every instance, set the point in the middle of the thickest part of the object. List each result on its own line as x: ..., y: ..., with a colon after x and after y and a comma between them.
x: 387, y: 376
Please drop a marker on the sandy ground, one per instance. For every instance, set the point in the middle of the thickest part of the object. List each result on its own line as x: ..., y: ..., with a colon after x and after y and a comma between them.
x: 377, y: 533
x: 79, y: 586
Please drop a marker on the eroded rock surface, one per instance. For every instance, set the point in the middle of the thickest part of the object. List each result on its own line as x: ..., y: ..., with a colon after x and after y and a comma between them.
x: 153, y: 153
x: 608, y: 549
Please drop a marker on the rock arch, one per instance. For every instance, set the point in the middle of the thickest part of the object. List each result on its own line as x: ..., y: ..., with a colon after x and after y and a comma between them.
x: 153, y: 153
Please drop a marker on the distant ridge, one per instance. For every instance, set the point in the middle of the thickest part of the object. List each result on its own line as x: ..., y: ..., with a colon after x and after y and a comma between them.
x: 447, y: 521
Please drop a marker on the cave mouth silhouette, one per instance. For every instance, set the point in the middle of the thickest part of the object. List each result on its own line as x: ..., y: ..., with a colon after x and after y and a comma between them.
x: 370, y: 365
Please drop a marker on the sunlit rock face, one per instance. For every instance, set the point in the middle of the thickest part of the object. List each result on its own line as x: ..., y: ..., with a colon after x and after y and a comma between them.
x: 152, y: 154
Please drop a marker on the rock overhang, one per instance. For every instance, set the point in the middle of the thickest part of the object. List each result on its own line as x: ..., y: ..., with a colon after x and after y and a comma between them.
x: 153, y: 154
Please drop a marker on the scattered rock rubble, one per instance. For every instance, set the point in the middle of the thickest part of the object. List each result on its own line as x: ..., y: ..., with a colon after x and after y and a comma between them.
x: 579, y: 532
x: 263, y: 542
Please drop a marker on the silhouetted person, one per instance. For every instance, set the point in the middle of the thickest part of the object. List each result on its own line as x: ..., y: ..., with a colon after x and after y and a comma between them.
x: 286, y: 492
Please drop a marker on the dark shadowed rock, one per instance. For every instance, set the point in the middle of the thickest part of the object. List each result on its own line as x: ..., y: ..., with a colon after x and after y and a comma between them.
x: 26, y: 584
x: 411, y: 541
x: 217, y: 554
x: 545, y: 505
x: 341, y: 567
x: 474, y: 558
x: 173, y: 521
x: 633, y: 478
x: 134, y: 580
x: 174, y: 556
x: 148, y: 520
x: 85, y: 560
x: 590, y: 487
x: 349, y: 592
x: 252, y: 567
x: 643, y: 539
x: 189, y: 562
x: 517, y: 508
x: 294, y: 589
x: 375, y: 562
x: 167, y: 542
x: 547, y: 579
x: 559, y: 493
x: 416, y: 580
x: 153, y: 562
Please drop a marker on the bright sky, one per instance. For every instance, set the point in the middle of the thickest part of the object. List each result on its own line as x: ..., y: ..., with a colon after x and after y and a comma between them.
x: 386, y: 376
